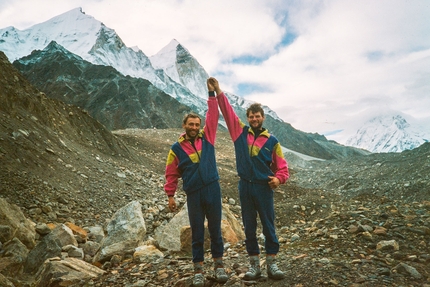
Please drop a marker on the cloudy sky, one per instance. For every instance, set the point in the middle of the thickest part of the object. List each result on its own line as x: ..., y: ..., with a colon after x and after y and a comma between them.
x: 323, y: 66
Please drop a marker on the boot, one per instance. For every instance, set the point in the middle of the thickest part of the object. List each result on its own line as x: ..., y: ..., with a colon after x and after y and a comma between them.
x: 254, y: 271
x: 199, y: 279
x: 272, y: 268
x: 220, y: 275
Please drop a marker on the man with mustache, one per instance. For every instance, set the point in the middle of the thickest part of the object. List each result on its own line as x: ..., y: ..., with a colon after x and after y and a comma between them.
x: 262, y: 168
x: 192, y: 157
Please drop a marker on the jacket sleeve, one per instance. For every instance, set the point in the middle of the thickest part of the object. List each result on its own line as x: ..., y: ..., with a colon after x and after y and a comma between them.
x: 211, y: 124
x: 172, y: 174
x: 279, y: 164
x: 234, y: 124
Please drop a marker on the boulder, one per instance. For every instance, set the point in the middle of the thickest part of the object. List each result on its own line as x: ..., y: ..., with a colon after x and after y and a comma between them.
x: 14, y: 224
x: 147, y: 253
x: 125, y: 232
x: 67, y: 272
x: 13, y: 256
x: 49, y: 246
x: 176, y: 234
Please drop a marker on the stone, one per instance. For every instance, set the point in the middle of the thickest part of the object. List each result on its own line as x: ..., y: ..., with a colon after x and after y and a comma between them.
x: 67, y: 272
x: 50, y: 246
x: 387, y: 245
x: 147, y: 253
x: 125, y: 231
x: 15, y: 224
x: 408, y: 270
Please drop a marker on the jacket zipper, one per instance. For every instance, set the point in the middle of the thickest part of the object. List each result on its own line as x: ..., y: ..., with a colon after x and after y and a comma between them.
x: 194, y: 147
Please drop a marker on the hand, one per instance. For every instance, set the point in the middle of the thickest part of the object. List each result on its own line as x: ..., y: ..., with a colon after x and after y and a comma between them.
x: 274, y: 182
x: 172, y: 204
x: 210, y: 85
x: 214, y: 83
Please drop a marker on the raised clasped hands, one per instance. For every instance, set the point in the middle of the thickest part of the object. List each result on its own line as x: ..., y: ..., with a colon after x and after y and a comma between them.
x: 213, y: 85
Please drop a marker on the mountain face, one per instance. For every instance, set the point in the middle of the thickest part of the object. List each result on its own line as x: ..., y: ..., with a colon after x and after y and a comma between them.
x: 390, y: 133
x: 173, y: 71
x: 115, y: 100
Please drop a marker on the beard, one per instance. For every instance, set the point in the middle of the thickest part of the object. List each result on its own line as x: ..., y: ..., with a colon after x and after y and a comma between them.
x: 191, y: 134
x: 256, y: 125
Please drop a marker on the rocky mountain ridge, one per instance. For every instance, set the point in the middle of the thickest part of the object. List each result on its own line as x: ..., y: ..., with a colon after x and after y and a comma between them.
x: 116, y: 101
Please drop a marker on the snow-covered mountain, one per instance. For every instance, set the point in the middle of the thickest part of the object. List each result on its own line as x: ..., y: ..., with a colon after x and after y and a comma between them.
x: 388, y: 133
x: 89, y: 38
x: 177, y: 62
x: 173, y: 69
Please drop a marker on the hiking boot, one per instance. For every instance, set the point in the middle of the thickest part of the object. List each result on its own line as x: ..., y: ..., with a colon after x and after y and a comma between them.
x: 198, y: 280
x: 254, y: 271
x: 272, y: 269
x: 220, y: 275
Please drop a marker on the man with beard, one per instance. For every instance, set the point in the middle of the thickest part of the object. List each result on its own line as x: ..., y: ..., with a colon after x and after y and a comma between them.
x: 262, y: 168
x: 192, y: 157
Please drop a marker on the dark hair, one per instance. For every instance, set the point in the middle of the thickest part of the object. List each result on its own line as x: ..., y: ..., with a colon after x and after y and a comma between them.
x: 191, y: 115
x: 255, y: 108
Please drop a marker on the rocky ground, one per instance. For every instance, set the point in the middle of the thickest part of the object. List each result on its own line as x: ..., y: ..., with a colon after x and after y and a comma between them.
x: 364, y: 221
x: 331, y: 216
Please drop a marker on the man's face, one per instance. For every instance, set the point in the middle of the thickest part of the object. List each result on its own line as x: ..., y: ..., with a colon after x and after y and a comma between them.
x: 255, y: 120
x: 191, y: 127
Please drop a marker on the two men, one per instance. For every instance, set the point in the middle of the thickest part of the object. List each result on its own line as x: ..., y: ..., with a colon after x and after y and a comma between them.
x: 261, y: 167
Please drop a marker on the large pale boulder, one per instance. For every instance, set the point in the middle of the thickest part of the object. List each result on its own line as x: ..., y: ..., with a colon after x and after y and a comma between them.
x: 176, y: 234
x: 125, y: 232
x: 14, y: 224
x: 68, y: 272
x: 228, y: 235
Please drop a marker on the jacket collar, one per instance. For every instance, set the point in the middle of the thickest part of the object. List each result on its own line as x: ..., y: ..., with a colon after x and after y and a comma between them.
x: 265, y: 132
x: 182, y: 137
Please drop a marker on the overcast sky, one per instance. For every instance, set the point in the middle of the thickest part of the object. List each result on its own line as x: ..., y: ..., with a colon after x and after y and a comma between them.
x: 322, y: 66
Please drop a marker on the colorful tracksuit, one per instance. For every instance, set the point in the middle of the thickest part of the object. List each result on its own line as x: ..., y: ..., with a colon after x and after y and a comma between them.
x: 257, y: 158
x: 195, y: 163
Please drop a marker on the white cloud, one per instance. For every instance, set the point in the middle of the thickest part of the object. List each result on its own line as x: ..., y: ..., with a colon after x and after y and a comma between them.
x: 349, y: 58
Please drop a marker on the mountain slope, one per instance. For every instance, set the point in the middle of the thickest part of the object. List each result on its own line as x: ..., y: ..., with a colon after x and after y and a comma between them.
x: 115, y: 100
x: 38, y: 128
x: 389, y: 133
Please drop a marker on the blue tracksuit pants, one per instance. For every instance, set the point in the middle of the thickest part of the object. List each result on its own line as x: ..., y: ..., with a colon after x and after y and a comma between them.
x: 205, y: 202
x: 258, y: 199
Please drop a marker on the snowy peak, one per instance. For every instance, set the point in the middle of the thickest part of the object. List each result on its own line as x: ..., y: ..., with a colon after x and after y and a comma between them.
x: 389, y: 133
x: 74, y: 30
x: 178, y: 63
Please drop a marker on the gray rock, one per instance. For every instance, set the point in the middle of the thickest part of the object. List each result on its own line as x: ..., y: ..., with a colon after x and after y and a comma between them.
x: 125, y: 232
x: 14, y: 256
x: 90, y: 248
x: 50, y: 246
x: 42, y: 228
x: 405, y: 269
x: 67, y: 272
